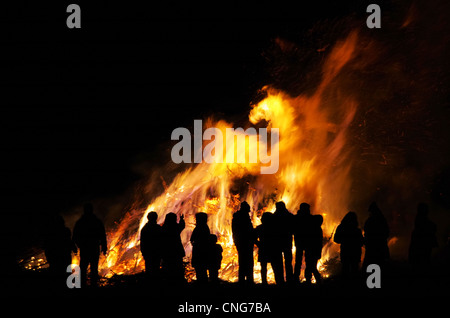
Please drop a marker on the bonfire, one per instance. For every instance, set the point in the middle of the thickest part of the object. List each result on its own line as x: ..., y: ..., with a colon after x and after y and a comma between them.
x: 314, y: 167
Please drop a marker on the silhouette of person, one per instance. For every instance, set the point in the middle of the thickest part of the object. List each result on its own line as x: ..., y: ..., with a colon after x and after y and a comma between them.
x: 244, y: 239
x: 172, y: 247
x: 284, y: 230
x: 350, y: 237
x: 58, y: 245
x: 151, y: 241
x: 200, y: 247
x: 89, y: 235
x: 314, y: 249
x: 376, y: 233
x: 214, y: 258
x: 267, y: 253
x: 302, y: 224
x: 423, y: 239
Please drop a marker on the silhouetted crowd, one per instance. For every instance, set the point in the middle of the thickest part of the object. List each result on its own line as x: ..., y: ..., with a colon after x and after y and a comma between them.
x: 163, y: 251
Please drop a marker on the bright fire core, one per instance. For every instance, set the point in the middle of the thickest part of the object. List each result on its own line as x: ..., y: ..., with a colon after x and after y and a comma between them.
x: 314, y: 167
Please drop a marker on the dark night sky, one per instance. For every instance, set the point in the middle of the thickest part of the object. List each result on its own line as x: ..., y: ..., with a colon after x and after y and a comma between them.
x: 82, y: 103
x: 81, y: 108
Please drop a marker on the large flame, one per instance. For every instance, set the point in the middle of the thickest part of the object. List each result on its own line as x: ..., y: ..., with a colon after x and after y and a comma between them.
x: 314, y: 167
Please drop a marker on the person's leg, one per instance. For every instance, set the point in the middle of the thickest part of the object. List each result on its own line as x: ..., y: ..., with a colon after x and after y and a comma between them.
x: 288, y: 263
x: 315, y: 271
x: 264, y: 272
x: 250, y: 265
x: 94, y: 258
x: 277, y: 266
x: 201, y: 273
x: 154, y: 266
x: 241, y: 262
x: 298, y: 263
x: 309, y: 268
x: 83, y: 267
x: 213, y: 275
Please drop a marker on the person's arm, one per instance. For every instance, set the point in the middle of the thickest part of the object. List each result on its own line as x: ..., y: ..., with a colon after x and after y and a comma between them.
x: 182, y: 223
x: 143, y: 239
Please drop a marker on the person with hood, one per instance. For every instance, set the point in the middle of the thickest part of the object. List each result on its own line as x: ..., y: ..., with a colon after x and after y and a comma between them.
x: 349, y: 235
x: 423, y: 240
x: 376, y: 233
x: 58, y: 246
x: 172, y: 248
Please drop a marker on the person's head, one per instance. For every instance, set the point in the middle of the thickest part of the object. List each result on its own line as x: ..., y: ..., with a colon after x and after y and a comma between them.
x: 318, y: 220
x: 266, y: 217
x: 171, y: 218
x: 201, y: 218
x: 305, y: 208
x: 245, y: 207
x: 88, y: 209
x: 280, y: 205
x: 152, y: 217
x: 374, y: 209
x: 350, y: 219
x: 213, y: 238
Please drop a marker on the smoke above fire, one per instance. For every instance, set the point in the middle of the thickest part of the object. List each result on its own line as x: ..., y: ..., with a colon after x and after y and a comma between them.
x: 361, y: 123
